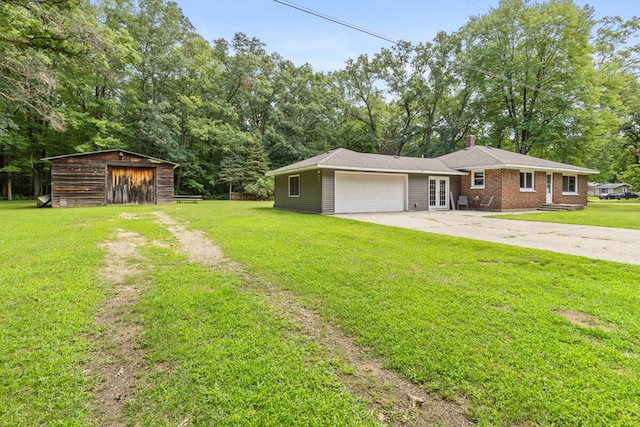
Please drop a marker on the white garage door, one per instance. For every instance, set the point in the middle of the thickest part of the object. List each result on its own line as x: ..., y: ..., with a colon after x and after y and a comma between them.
x: 370, y: 192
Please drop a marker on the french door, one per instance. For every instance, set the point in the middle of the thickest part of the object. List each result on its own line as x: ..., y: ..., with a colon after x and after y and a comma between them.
x: 438, y: 193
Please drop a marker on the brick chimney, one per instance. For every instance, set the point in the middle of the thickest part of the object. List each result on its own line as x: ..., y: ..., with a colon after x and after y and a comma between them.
x: 470, y: 141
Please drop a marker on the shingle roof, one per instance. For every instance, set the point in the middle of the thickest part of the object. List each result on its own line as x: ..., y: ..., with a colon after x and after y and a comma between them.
x: 344, y: 159
x: 482, y: 157
x: 613, y: 186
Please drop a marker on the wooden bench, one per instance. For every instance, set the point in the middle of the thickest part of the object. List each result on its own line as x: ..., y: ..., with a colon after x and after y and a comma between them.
x: 179, y: 198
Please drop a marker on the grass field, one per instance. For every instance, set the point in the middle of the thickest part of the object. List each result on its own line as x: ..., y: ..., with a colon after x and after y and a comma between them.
x: 525, y: 337
x: 609, y: 213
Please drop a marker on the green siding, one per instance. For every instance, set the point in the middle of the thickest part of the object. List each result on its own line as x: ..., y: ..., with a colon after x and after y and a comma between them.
x: 328, y: 192
x: 310, y: 199
x: 317, y: 191
x: 454, y: 186
x: 418, y: 192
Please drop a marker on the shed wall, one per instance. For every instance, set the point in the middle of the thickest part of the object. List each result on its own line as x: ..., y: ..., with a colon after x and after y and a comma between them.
x: 81, y: 180
x: 164, y: 181
x: 76, y: 184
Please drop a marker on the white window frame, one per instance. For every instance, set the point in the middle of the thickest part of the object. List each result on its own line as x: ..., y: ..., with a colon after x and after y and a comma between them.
x: 473, y: 179
x: 289, y: 184
x: 575, y: 190
x: 531, y: 189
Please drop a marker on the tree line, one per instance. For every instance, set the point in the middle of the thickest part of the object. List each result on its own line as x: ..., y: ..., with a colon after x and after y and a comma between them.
x: 539, y: 78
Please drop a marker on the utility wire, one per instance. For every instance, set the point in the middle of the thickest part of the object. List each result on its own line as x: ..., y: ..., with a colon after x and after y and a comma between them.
x: 334, y: 20
x: 396, y: 42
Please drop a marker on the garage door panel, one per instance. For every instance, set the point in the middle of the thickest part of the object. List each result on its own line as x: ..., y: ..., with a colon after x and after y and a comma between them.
x: 368, y: 192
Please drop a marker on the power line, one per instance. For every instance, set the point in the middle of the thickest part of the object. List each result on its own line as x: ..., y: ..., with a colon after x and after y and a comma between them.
x: 396, y: 42
x: 335, y: 20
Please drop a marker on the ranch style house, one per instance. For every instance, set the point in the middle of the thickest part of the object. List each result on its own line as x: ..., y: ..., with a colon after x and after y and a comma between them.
x: 343, y: 181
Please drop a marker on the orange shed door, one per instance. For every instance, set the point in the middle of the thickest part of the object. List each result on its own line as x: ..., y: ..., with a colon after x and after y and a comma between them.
x: 130, y: 186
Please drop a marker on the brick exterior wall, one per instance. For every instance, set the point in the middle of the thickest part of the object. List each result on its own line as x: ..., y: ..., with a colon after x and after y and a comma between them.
x: 524, y: 199
x: 493, y: 182
x: 504, y: 185
x: 579, y: 199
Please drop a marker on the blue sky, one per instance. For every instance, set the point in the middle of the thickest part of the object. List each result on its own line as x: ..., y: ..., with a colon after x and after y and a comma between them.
x: 303, y: 38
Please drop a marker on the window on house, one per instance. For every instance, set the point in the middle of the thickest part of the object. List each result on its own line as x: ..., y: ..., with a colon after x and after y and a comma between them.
x: 477, y: 179
x: 294, y: 186
x: 569, y: 184
x: 526, y: 181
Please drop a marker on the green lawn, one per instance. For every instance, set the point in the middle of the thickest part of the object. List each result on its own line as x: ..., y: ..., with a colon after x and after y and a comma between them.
x: 464, y: 318
x: 610, y: 213
x: 216, y: 354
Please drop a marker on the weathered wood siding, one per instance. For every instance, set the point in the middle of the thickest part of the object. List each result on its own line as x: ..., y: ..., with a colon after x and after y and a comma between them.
x: 89, y: 180
x: 164, y: 184
x: 310, y: 199
x: 127, y: 186
x: 68, y: 190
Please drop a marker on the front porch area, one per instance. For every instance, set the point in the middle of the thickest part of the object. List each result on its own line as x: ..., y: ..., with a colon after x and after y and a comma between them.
x: 552, y: 207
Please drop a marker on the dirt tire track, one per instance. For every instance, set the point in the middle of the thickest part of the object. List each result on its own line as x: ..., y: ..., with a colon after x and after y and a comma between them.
x: 394, y: 399
x: 118, y: 360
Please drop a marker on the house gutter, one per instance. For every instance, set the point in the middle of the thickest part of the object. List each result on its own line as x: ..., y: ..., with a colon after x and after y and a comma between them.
x: 580, y: 171
x: 363, y: 169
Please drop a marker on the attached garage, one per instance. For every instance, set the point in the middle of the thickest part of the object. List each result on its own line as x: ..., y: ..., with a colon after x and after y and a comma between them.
x: 370, y: 192
x: 343, y: 181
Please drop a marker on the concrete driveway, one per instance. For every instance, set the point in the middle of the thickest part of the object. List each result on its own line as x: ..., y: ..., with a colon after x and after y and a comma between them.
x: 610, y: 244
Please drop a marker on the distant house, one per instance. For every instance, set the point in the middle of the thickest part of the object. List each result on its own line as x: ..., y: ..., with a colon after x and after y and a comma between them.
x: 343, y: 181
x: 110, y: 177
x: 616, y: 189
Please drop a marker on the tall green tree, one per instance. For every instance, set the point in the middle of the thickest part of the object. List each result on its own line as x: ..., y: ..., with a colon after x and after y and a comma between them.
x: 245, y: 163
x: 419, y: 81
x: 532, y: 72
x: 159, y: 29
x: 617, y: 59
x: 302, y: 117
x: 363, y: 106
x: 35, y: 39
x: 247, y: 79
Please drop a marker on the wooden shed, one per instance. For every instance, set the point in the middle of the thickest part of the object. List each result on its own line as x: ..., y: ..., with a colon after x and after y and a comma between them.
x: 110, y: 177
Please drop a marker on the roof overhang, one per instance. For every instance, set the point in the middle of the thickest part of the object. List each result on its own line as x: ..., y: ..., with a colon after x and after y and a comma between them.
x: 583, y: 171
x: 362, y: 169
x: 151, y: 159
x: 612, y: 186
